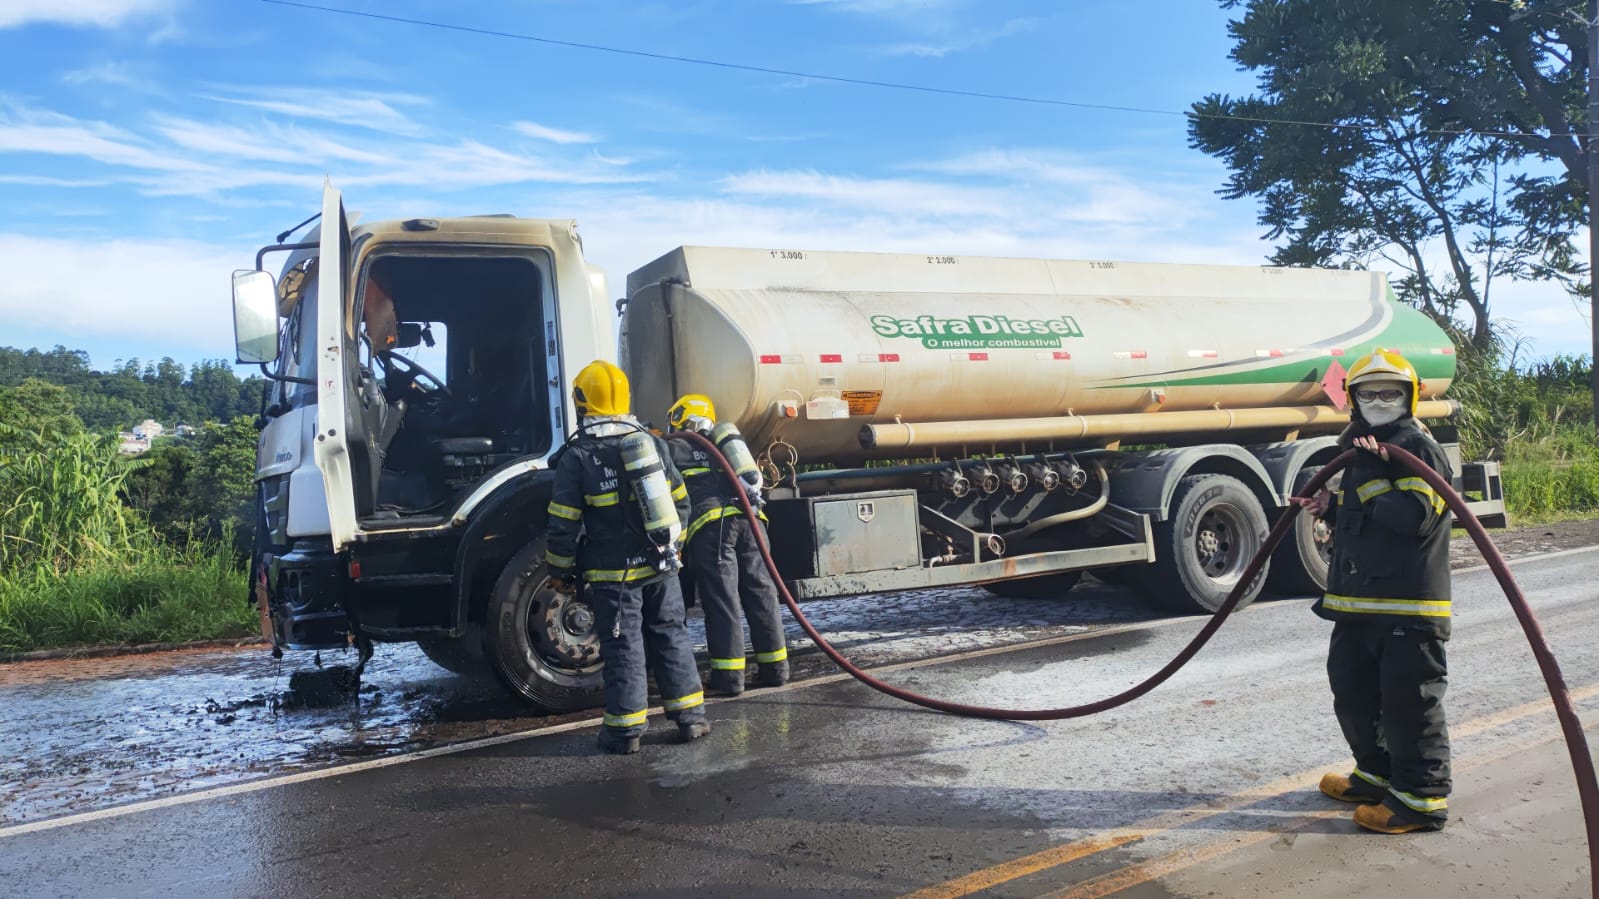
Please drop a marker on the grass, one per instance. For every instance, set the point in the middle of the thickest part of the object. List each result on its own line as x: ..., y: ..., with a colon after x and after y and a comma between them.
x: 80, y: 568
x: 193, y: 594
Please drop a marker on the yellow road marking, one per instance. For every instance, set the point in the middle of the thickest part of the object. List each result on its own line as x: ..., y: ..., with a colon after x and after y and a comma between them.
x: 1027, y: 865
x: 1172, y: 862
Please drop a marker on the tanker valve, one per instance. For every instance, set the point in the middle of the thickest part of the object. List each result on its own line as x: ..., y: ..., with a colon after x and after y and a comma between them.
x: 1043, y: 475
x: 954, y: 483
x: 1012, y: 477
x: 994, y: 543
x: 1071, y: 474
x: 987, y: 480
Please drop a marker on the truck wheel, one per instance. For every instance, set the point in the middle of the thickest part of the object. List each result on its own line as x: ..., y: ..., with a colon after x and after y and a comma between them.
x: 457, y: 655
x: 1048, y: 586
x: 1216, y: 526
x: 542, y: 644
x: 1299, y: 566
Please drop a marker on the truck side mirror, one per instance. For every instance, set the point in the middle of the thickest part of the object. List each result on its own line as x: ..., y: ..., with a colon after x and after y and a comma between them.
x: 255, y: 317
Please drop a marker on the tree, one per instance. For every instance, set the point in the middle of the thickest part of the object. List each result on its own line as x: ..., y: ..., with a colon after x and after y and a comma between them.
x: 1453, y: 152
x: 38, y: 407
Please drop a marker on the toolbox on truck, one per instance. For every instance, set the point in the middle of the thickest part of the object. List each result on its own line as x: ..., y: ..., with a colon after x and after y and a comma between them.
x: 822, y: 536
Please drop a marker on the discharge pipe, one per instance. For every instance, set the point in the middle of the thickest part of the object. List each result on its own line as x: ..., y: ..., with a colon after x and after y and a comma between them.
x: 1554, y: 680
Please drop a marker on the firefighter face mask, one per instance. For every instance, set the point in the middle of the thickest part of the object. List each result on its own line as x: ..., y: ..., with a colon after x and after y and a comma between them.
x: 1382, y: 402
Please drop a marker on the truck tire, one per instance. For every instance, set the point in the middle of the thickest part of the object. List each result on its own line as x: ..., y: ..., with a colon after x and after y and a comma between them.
x: 457, y: 655
x: 542, y: 644
x: 1299, y: 566
x: 1201, y: 550
x: 1048, y: 586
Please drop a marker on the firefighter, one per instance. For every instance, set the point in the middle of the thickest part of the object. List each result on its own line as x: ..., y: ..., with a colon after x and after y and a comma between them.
x: 1388, y: 596
x: 725, y: 560
x: 615, y: 517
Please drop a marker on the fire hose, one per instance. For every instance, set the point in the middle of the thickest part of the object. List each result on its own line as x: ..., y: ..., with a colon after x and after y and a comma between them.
x: 1559, y: 693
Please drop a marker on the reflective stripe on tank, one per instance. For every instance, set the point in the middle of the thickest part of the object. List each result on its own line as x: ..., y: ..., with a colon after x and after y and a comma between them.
x: 567, y: 512
x: 558, y: 560
x: 631, y: 719
x: 687, y: 702
x: 1421, y: 803
x: 618, y: 575
x: 1372, y: 779
x: 602, y: 499
x: 1385, y: 605
x: 1373, y: 489
x: 767, y: 658
x: 1421, y: 487
x: 728, y: 664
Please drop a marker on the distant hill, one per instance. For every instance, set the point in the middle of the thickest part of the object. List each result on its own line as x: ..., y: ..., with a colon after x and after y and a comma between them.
x: 134, y: 390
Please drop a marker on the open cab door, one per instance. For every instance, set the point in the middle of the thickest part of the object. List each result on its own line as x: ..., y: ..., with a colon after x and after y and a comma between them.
x: 342, y: 450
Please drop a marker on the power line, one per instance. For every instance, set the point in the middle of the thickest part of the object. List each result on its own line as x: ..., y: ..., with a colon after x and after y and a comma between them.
x: 891, y: 85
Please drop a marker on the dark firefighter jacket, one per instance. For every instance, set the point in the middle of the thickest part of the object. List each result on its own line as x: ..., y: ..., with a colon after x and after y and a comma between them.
x: 1390, y: 561
x: 711, y: 497
x: 595, y: 525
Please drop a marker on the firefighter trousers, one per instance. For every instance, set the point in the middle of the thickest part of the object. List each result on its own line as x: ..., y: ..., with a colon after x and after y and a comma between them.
x: 1388, y: 686
x: 729, y: 574
x: 642, y: 632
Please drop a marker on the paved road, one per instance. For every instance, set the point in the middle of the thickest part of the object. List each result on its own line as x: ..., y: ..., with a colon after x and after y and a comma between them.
x: 1205, y: 787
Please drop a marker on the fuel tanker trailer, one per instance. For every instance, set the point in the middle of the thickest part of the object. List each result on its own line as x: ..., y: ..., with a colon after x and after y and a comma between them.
x: 928, y: 420
x: 921, y: 420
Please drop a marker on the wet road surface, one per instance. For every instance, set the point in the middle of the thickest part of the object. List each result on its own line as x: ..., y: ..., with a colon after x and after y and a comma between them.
x: 828, y: 788
x: 84, y: 734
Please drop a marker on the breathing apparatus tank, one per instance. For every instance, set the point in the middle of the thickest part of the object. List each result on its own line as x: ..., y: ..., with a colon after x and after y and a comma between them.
x: 727, y: 438
x: 646, y: 474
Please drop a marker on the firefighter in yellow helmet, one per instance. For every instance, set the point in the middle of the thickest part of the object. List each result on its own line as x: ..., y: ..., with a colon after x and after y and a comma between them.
x: 724, y: 558
x: 615, y: 519
x: 1388, y: 596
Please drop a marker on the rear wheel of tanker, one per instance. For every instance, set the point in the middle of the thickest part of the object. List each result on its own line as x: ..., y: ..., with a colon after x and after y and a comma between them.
x: 1047, y: 586
x: 1300, y: 564
x: 541, y: 643
x: 457, y: 655
x: 1215, y: 528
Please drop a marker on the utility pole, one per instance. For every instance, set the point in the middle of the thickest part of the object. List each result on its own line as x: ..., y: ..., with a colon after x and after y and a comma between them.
x: 1591, y: 146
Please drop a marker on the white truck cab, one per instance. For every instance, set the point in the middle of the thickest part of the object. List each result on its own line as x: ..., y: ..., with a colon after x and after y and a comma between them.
x: 398, y: 480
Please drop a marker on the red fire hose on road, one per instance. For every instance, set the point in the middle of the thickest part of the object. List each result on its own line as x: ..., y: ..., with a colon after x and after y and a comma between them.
x: 1570, y: 724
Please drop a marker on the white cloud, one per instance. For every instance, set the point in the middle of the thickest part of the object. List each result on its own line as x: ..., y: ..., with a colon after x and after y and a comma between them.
x: 964, y: 39
x: 553, y: 135
x: 83, y: 13
x: 117, y: 74
x: 375, y: 111
x: 189, y: 157
x: 166, y: 291
x: 906, y: 9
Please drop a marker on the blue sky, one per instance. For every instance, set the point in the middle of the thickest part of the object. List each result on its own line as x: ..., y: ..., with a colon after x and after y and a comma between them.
x: 148, y: 147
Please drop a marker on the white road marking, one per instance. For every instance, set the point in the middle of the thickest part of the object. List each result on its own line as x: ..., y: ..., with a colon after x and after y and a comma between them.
x: 253, y: 786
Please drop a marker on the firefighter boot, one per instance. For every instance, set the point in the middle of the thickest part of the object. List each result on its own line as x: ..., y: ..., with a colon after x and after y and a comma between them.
x: 773, y: 674
x: 1351, y: 788
x: 689, y: 731
x: 725, y: 683
x: 616, y: 743
x: 1382, y: 819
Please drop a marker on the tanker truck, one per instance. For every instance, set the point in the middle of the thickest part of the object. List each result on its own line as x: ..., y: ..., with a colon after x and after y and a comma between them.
x: 922, y: 421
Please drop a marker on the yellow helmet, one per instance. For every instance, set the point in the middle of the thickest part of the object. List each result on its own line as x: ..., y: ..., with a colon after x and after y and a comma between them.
x: 601, y: 389
x: 1383, y: 365
x: 690, y: 405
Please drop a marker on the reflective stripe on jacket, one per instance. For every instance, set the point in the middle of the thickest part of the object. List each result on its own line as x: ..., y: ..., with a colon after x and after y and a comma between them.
x: 594, y: 524
x: 1390, y: 558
